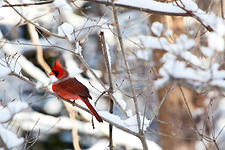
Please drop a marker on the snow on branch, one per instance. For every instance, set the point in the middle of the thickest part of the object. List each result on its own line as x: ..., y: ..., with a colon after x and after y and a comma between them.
x: 130, y: 125
x: 11, y: 109
x: 176, y: 8
x: 26, y: 65
x: 9, y: 138
x: 181, y: 64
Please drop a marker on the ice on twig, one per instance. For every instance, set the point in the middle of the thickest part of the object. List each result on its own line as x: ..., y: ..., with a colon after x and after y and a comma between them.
x: 11, y: 109
x: 67, y: 30
x: 9, y: 65
x: 9, y: 138
x: 157, y: 28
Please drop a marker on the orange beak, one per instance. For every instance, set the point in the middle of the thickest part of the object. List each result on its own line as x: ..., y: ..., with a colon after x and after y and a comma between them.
x: 51, y: 73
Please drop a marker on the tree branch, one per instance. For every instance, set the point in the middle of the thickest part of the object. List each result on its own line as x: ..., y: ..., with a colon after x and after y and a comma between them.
x: 141, y: 134
x: 29, y: 4
x: 180, y: 12
x: 110, y: 91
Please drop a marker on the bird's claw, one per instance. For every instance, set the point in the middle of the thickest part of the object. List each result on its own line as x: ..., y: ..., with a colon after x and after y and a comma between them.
x: 73, y: 103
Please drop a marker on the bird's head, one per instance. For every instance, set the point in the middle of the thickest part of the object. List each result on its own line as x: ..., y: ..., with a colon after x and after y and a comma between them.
x: 58, y: 71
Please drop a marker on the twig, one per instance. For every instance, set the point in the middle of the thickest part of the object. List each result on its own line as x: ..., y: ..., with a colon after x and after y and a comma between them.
x: 161, y: 103
x: 185, y: 14
x: 74, y: 128
x: 37, y: 26
x: 141, y: 134
x: 110, y: 91
x: 29, y: 4
x: 222, y: 9
x: 108, y: 3
x: 22, y: 78
x: 3, y: 144
x: 39, y: 54
x: 191, y: 14
x: 190, y: 115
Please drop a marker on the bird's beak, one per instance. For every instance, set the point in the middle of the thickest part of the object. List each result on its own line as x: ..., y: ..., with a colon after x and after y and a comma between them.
x: 51, y: 73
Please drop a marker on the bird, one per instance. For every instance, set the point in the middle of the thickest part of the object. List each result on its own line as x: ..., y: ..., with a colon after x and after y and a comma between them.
x: 70, y: 88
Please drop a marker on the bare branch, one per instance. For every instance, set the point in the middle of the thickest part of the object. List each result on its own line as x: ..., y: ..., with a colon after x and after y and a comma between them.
x: 39, y: 54
x: 185, y: 13
x: 141, y: 134
x: 29, y: 4
x: 110, y: 91
x: 37, y: 26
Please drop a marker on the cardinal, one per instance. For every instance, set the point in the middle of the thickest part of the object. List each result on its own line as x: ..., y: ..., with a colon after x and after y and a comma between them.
x: 70, y: 88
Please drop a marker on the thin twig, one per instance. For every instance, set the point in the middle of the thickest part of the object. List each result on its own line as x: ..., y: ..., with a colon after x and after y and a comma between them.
x: 110, y: 91
x: 37, y: 26
x: 141, y: 134
x: 108, y: 3
x: 193, y: 15
x: 222, y: 9
x: 185, y: 14
x: 127, y: 66
x: 190, y: 116
x: 29, y: 4
x: 74, y: 128
x: 39, y: 53
x: 161, y: 103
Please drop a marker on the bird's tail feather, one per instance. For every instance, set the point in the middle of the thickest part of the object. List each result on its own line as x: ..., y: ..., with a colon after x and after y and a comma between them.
x: 91, y: 108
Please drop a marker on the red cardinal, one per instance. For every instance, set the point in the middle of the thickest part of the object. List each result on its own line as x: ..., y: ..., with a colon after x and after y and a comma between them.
x: 70, y: 88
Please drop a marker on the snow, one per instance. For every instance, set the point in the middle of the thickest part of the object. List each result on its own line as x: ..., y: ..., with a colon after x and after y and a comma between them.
x: 9, y: 138
x: 172, y: 8
x: 11, y: 109
x: 28, y: 120
x: 188, y: 5
x: 207, y: 19
x: 109, y: 56
x: 5, y: 114
x: 53, y: 106
x: 129, y: 113
x: 5, y: 69
x: 208, y: 52
x: 16, y: 106
x: 216, y: 42
x: 144, y: 54
x: 52, y: 79
x: 153, y: 6
x: 25, y: 64
x: 157, y: 28
x: 151, y: 42
x: 168, y: 33
x: 38, y: 85
x: 129, y: 123
x: 78, y: 49
x: 1, y: 3
x: 220, y: 30
x: 60, y: 4
x: 102, y: 144
x: 119, y: 98
x: 71, y: 65
x: 66, y: 29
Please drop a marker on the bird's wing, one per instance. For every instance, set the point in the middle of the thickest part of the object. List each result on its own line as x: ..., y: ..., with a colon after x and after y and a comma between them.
x: 71, y: 88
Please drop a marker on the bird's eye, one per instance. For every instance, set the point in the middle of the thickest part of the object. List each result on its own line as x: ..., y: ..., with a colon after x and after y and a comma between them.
x: 55, y: 72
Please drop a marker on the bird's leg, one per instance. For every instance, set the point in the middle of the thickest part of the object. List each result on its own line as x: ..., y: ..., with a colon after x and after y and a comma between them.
x: 73, y: 103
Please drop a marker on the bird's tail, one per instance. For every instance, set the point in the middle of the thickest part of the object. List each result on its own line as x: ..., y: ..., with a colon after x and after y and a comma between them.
x: 91, y: 108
